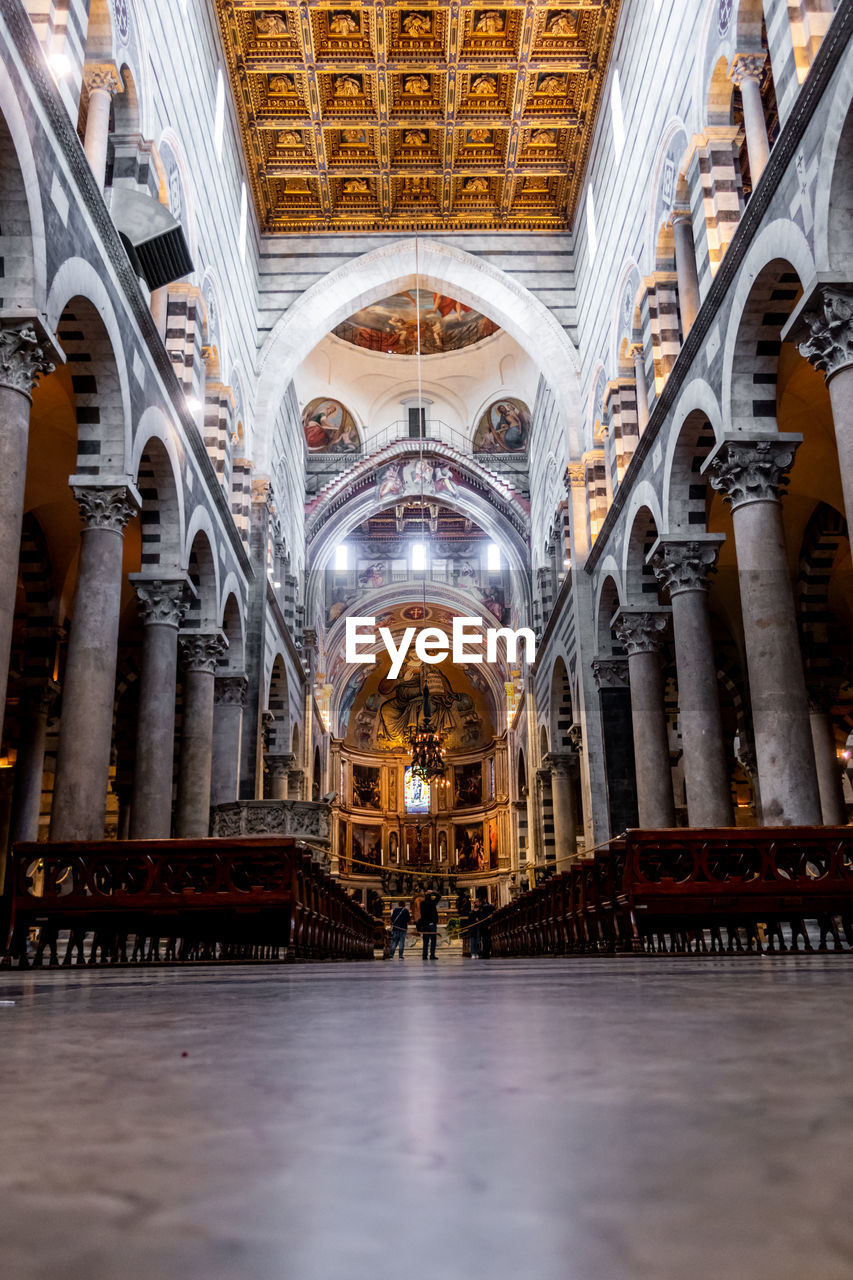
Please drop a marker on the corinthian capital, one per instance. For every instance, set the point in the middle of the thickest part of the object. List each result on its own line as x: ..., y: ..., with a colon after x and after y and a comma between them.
x: 161, y: 603
x: 106, y: 506
x: 23, y: 357
x: 610, y: 673
x: 230, y: 691
x: 642, y: 630
x: 685, y: 565
x: 752, y: 470
x: 747, y: 66
x: 101, y: 75
x: 202, y: 650
x: 829, y: 345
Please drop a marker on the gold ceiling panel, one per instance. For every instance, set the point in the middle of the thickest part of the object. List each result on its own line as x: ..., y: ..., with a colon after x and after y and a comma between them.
x: 384, y: 116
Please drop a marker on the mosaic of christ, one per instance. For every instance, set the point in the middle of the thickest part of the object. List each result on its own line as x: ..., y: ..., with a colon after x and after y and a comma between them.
x: 391, y: 326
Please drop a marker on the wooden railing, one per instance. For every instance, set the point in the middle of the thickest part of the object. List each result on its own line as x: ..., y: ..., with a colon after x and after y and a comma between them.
x: 683, y: 890
x: 177, y: 901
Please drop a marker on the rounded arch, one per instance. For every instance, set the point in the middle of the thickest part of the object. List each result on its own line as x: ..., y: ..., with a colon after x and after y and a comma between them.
x: 562, y: 715
x: 232, y: 624
x: 833, y: 235
x: 22, y: 235
x: 698, y: 417
x: 278, y: 705
x: 397, y: 267
x: 202, y: 614
x: 295, y: 742
x: 768, y: 286
x: 750, y: 18
x: 216, y: 328
x: 608, y: 601
x: 521, y: 772
x: 668, y: 189
x: 127, y: 109
x: 158, y: 478
x: 645, y: 524
x: 80, y: 310
x: 544, y: 747
x: 180, y: 196
x: 626, y: 326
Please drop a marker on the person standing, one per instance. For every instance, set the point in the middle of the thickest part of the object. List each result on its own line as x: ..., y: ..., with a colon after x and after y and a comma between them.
x: 429, y: 925
x: 400, y: 918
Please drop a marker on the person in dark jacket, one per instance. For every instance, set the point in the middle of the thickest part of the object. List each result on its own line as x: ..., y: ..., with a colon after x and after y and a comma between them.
x: 400, y: 918
x: 429, y: 926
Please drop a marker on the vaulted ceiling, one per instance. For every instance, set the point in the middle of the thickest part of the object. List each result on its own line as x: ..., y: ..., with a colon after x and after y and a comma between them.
x: 434, y: 116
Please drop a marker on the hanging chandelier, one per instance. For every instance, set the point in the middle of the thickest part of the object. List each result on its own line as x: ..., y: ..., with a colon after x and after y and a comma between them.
x: 427, y: 749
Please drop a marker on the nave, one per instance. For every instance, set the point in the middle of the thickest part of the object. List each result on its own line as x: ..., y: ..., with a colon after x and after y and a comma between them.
x: 568, y: 1120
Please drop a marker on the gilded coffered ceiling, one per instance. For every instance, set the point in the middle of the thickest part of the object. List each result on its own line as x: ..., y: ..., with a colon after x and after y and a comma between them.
x: 435, y: 116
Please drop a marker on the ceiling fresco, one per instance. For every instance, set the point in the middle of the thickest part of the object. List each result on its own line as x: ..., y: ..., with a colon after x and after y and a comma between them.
x: 433, y: 116
x: 392, y: 325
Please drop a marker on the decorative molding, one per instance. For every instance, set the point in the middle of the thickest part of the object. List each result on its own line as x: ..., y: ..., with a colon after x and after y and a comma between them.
x: 230, y: 690
x: 24, y: 358
x: 747, y: 471
x: 610, y: 673
x: 103, y: 77
x: 642, y: 630
x: 747, y: 66
x: 202, y: 650
x: 306, y: 820
x: 278, y: 763
x: 684, y: 566
x: 106, y: 506
x: 829, y: 346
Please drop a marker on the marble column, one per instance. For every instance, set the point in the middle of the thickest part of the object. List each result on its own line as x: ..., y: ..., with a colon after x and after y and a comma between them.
x: 201, y: 652
x: 685, y: 268
x: 38, y: 702
x: 746, y: 72
x: 102, y: 81
x: 88, y: 694
x: 827, y: 320
x: 642, y: 633
x: 161, y: 605
x: 828, y: 766
x: 229, y: 698
x: 683, y: 567
x: 752, y: 473
x: 638, y: 355
x: 24, y: 358
x: 279, y: 766
x: 561, y: 765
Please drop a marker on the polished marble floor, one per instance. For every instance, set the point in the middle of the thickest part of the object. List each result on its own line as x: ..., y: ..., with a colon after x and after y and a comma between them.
x: 636, y: 1119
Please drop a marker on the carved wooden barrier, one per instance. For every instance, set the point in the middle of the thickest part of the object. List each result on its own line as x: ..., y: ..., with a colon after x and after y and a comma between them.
x: 682, y: 890
x: 117, y: 902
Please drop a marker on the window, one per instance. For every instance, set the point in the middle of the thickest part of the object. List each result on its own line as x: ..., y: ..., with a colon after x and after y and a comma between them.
x: 416, y: 793
x: 493, y: 557
x: 219, y: 114
x: 590, y: 223
x: 617, y: 115
x: 419, y: 557
x: 244, y: 218
x: 342, y: 558
x: 417, y: 422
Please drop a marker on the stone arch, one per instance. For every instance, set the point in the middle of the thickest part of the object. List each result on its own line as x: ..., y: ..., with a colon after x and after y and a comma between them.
x: 669, y: 189
x: 127, y: 109
x: 833, y: 235
x: 278, y: 705
x: 645, y: 525
x: 750, y: 17
x: 562, y: 715
x: 201, y: 567
x: 158, y: 480
x: 718, y: 109
x: 521, y: 771
x: 392, y: 268
x: 295, y: 743
x: 215, y: 336
x: 769, y: 284
x: 231, y: 623
x: 607, y: 604
x: 179, y: 190
x: 81, y: 312
x: 685, y: 488
x: 544, y: 747
x: 627, y: 327
x: 22, y: 235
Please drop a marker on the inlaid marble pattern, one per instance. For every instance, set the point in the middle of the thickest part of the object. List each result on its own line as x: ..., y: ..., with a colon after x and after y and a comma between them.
x: 583, y: 1120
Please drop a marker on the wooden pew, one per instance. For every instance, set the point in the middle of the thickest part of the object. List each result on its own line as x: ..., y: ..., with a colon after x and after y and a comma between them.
x: 261, y: 898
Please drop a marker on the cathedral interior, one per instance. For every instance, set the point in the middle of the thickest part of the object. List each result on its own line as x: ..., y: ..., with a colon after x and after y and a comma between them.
x: 327, y: 332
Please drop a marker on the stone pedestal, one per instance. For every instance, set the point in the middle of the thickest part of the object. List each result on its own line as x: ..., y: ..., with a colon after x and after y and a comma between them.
x: 746, y: 72
x: 161, y: 608
x: 29, y: 767
x: 685, y: 267
x: 751, y: 474
x: 23, y: 359
x: 229, y: 699
x: 279, y: 766
x: 102, y: 81
x: 86, y: 727
x: 201, y: 652
x: 642, y: 632
x: 682, y: 568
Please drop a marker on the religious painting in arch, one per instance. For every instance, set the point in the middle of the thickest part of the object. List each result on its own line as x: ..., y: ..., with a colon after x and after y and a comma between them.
x: 469, y: 785
x: 391, y: 326
x: 366, y: 849
x: 493, y: 846
x: 503, y: 428
x: 470, y: 851
x: 365, y: 787
x: 343, y: 860
x: 329, y: 428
